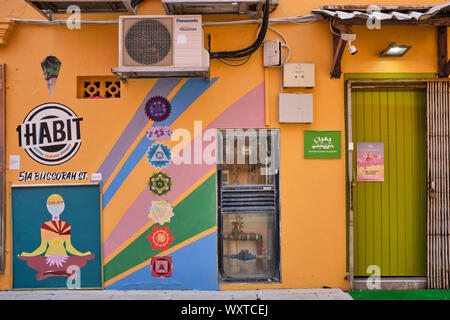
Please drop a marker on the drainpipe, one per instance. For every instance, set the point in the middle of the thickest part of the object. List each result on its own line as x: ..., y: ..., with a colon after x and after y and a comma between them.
x: 351, y: 185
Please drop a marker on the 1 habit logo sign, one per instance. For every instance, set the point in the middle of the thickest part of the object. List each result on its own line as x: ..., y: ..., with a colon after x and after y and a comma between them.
x: 50, y: 134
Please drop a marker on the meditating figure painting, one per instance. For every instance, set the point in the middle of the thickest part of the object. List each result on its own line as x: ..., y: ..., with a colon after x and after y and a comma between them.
x: 61, y: 249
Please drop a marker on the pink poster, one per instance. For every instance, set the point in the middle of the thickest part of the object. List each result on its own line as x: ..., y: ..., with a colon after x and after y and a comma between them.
x: 370, y: 161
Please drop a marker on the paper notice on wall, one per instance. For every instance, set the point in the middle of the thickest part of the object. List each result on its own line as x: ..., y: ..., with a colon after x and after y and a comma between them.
x: 370, y: 161
x: 96, y: 176
x: 14, y: 162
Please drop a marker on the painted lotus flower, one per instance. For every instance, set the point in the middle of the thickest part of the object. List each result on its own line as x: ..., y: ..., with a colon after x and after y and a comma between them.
x: 160, y: 238
x: 160, y: 212
x: 160, y: 183
x: 55, y: 260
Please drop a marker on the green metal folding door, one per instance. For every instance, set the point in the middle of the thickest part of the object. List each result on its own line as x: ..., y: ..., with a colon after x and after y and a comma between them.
x: 390, y: 215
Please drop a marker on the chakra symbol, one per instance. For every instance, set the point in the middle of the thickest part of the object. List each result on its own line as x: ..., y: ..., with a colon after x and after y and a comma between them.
x: 159, y: 133
x: 161, y: 267
x: 160, y: 238
x: 160, y: 183
x: 159, y: 155
x: 160, y: 212
x: 158, y: 108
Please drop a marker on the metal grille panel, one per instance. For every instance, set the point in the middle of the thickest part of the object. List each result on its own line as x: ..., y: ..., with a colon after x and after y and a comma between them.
x: 248, y: 199
x: 438, y: 213
x: 148, y: 42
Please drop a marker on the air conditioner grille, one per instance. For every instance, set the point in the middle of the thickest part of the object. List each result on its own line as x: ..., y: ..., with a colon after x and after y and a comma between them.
x: 148, y: 42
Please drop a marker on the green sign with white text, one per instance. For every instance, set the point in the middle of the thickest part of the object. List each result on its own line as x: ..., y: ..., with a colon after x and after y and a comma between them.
x: 322, y: 144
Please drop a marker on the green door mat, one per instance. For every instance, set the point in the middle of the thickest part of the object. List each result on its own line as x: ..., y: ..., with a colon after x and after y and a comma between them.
x: 401, y: 295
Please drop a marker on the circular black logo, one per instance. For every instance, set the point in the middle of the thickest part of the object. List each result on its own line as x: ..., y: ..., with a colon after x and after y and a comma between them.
x: 50, y: 134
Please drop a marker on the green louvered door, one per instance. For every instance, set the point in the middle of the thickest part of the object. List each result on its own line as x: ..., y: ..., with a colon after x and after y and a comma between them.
x: 390, y: 216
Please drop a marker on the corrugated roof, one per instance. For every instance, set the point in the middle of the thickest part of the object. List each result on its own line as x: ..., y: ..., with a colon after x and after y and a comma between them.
x: 385, y: 12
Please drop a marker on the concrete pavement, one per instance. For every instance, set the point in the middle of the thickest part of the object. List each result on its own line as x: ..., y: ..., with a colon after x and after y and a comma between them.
x: 282, y: 294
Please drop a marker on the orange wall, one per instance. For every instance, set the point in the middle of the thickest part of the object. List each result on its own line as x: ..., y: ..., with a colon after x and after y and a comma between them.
x: 313, y: 192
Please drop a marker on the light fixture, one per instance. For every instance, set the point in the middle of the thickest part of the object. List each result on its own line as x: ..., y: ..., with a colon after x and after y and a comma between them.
x: 349, y: 37
x: 395, y: 50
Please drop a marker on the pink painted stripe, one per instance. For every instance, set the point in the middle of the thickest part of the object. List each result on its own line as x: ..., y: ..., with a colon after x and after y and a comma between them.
x: 247, y: 112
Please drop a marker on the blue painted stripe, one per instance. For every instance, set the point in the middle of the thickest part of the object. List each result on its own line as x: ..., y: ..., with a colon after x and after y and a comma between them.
x: 184, y: 98
x: 194, y: 268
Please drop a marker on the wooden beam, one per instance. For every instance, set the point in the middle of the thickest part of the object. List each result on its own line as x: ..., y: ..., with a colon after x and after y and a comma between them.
x: 338, y: 50
x: 6, y: 27
x: 442, y: 55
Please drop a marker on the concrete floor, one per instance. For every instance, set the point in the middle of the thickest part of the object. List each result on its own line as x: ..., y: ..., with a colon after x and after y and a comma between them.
x: 284, y: 294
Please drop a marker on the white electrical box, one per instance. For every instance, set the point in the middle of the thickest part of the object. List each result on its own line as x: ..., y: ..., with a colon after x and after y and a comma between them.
x: 272, y: 53
x: 298, y: 75
x: 295, y: 108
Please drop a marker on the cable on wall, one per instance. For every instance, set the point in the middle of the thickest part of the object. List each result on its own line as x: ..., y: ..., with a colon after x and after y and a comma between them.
x: 242, y: 53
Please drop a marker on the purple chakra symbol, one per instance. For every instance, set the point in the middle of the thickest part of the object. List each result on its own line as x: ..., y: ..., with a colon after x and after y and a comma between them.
x: 158, y: 108
x: 159, y: 133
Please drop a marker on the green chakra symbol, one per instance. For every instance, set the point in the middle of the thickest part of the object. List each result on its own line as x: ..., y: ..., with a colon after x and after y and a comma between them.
x: 160, y: 183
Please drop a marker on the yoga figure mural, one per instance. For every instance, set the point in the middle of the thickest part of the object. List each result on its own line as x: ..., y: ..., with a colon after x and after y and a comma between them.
x: 52, y: 257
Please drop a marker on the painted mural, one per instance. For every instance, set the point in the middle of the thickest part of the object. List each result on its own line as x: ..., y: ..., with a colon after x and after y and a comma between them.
x: 57, y: 238
x: 167, y: 238
x: 56, y: 245
x: 118, y: 130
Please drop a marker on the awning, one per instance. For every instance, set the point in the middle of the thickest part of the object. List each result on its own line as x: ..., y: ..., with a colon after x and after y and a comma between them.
x: 385, y: 13
x: 343, y: 17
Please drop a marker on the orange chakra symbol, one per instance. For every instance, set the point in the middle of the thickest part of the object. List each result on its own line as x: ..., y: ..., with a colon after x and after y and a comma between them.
x: 160, y: 238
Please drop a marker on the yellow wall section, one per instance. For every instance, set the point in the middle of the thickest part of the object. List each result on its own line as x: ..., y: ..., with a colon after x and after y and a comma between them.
x: 313, y: 214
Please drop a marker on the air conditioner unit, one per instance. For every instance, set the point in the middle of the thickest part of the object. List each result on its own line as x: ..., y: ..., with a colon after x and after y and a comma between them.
x: 239, y: 7
x: 161, y: 46
x: 49, y: 7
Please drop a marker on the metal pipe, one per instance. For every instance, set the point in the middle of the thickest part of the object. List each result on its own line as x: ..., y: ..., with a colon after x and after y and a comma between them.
x: 296, y: 20
x: 350, y: 187
x: 2, y: 171
x: 63, y: 22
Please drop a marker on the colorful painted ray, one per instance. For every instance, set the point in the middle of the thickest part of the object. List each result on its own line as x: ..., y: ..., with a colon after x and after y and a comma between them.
x: 135, y: 240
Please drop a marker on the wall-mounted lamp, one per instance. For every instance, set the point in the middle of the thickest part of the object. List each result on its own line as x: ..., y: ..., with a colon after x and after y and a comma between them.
x: 395, y: 50
x: 349, y: 37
